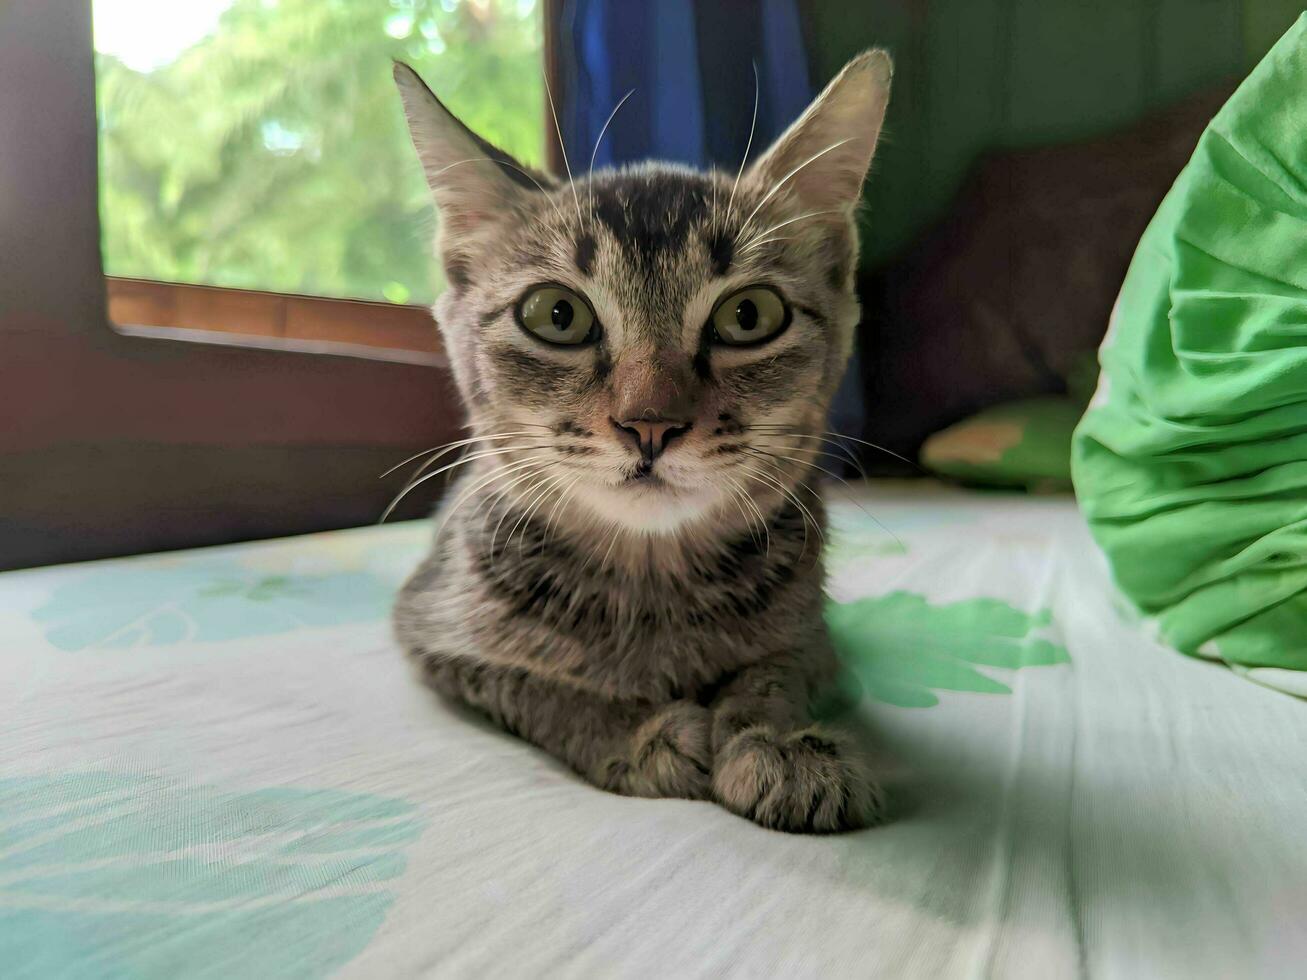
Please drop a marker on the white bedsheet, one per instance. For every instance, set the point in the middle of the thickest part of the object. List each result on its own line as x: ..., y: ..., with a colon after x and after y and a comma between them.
x: 216, y: 764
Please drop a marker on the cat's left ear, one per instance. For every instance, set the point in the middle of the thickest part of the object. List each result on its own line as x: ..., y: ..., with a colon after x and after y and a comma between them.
x: 822, y: 159
x: 473, y: 181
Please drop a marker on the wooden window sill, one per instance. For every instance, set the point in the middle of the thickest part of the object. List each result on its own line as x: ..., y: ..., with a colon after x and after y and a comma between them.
x: 243, y: 317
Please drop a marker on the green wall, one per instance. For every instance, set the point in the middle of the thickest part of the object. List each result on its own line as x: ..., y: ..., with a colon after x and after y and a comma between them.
x: 973, y: 75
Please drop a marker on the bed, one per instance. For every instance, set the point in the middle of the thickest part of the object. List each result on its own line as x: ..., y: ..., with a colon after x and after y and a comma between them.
x: 215, y: 763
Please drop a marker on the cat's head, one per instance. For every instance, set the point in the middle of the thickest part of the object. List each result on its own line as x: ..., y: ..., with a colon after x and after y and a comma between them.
x: 655, y: 342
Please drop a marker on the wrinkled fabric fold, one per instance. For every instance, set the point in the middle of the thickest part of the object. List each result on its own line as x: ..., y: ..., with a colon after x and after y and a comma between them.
x: 1191, y: 463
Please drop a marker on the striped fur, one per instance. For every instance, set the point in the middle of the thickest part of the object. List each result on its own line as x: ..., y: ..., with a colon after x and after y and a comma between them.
x: 657, y: 624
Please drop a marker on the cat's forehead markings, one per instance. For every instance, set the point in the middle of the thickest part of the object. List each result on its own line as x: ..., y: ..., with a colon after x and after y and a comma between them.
x: 585, y: 253
x: 721, y: 250
x: 651, y: 214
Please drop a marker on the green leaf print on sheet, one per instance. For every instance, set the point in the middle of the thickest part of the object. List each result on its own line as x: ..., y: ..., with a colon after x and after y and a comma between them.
x: 901, y: 649
x: 110, y: 875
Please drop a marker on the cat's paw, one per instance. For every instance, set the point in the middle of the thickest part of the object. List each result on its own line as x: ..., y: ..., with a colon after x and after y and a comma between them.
x: 806, y: 781
x: 670, y: 755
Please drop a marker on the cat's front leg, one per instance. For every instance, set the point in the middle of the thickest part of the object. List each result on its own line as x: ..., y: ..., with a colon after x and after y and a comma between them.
x: 773, y: 766
x: 632, y: 748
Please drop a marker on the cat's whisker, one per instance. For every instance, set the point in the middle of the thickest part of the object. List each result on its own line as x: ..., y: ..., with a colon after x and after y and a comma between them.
x: 427, y: 464
x: 842, y: 436
x: 437, y: 451
x: 848, y: 488
x: 742, y: 495
x: 784, y: 180
x: 492, y: 499
x: 738, y: 496
x: 506, y: 510
x: 826, y: 436
x: 753, y: 476
x: 776, y: 431
x: 872, y: 445
x: 730, y: 203
x: 712, y: 213
x: 498, y: 163
x: 490, y: 502
x: 541, y: 491
x: 617, y: 532
x: 419, y: 455
x: 765, y: 241
x: 595, y: 152
x: 780, y: 472
x: 758, y: 451
x: 762, y: 520
x: 841, y: 459
x: 463, y: 461
x: 538, y: 475
x: 499, y: 471
x: 847, y: 454
x: 466, y: 495
x: 549, y: 484
x: 580, y: 222
x: 562, y: 498
x: 470, y: 454
x: 733, y: 497
x: 534, y: 425
x: 792, y: 497
x: 778, y: 226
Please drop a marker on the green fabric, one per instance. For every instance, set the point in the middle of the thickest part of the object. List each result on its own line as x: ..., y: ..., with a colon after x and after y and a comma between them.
x: 1019, y: 444
x: 1191, y: 462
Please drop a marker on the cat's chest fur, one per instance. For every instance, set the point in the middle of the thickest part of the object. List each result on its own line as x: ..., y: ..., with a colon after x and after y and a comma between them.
x: 652, y: 628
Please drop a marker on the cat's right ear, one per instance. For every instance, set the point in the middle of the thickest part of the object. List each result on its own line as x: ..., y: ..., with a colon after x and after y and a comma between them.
x: 472, y: 180
x: 822, y: 159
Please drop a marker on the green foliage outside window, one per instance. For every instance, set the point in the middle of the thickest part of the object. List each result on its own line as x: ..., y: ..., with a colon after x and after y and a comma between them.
x: 271, y: 154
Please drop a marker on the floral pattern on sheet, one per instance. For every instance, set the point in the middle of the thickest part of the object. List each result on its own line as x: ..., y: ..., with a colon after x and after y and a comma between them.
x: 115, y: 875
x: 124, y: 605
x: 900, y: 648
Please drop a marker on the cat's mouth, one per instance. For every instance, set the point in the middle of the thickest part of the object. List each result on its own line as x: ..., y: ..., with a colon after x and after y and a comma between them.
x: 651, y: 499
x: 645, y: 477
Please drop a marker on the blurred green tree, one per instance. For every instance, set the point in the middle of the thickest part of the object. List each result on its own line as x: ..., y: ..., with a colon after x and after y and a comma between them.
x: 273, y: 155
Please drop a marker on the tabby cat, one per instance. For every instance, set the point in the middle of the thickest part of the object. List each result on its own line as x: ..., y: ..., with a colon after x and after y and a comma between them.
x: 627, y: 572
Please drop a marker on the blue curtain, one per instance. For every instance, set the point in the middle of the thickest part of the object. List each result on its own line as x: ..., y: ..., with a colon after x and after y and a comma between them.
x: 690, y: 65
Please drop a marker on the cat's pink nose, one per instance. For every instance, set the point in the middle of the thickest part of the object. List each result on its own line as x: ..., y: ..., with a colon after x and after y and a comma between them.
x: 651, y: 436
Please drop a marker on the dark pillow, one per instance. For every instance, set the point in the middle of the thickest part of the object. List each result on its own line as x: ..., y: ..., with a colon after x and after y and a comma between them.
x: 1009, y: 297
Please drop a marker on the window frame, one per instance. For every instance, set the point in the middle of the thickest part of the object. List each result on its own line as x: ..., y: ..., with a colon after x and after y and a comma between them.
x: 157, y: 310
x: 268, y: 320
x: 115, y: 442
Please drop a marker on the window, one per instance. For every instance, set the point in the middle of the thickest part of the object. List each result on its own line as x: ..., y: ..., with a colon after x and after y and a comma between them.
x: 258, y: 145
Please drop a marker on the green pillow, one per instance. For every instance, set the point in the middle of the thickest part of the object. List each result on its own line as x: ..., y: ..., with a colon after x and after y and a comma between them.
x: 1191, y: 462
x: 1020, y: 444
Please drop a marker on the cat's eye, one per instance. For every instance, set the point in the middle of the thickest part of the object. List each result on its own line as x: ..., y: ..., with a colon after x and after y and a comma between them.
x: 557, y: 316
x: 750, y: 316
